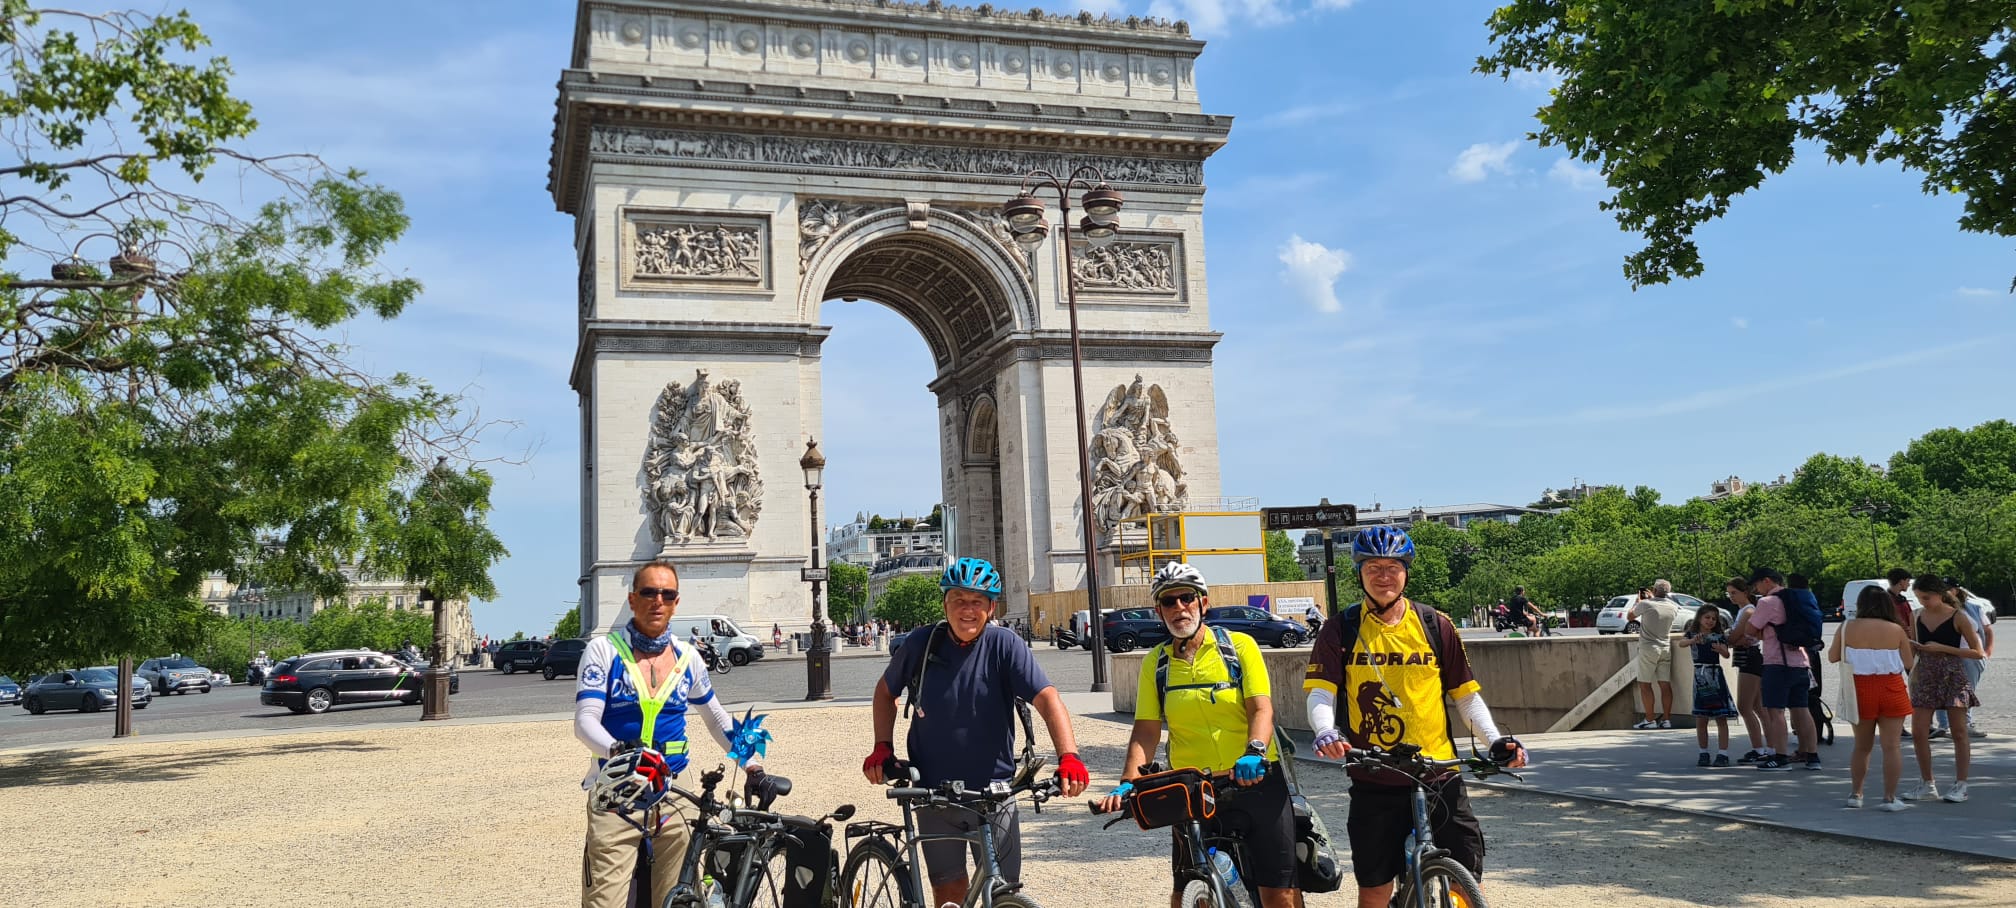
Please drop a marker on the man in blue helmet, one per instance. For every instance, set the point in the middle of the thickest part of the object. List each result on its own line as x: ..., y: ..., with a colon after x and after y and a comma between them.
x: 965, y: 675
x: 1390, y: 663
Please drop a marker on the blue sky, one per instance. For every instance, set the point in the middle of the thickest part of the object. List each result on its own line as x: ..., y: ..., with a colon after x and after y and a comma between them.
x: 1419, y: 305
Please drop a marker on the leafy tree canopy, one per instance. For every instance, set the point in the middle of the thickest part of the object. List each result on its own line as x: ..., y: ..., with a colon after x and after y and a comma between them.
x: 1282, y: 567
x: 1685, y: 106
x: 846, y: 590
x: 569, y: 625
x: 911, y: 600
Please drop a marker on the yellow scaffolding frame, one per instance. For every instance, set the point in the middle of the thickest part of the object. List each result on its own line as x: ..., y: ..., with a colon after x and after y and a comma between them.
x: 1150, y: 540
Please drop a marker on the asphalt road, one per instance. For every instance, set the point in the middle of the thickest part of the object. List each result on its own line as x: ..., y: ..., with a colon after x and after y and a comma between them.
x: 488, y: 693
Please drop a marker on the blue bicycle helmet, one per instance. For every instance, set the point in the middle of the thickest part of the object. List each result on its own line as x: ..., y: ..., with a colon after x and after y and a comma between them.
x: 1382, y: 542
x: 971, y: 574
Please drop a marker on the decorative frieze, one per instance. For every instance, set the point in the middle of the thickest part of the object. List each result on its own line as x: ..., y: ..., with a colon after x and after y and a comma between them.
x: 819, y: 219
x: 801, y: 152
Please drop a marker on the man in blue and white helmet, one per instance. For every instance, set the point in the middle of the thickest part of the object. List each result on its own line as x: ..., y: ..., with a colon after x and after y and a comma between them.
x: 1384, y: 666
x: 965, y: 675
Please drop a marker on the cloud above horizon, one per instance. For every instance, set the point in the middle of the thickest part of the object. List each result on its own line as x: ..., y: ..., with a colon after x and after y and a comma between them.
x: 1312, y: 270
x: 1483, y: 159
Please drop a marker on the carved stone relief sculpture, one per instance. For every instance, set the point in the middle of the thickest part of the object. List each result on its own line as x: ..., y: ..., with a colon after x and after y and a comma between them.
x: 1135, y: 469
x: 852, y: 154
x: 691, y: 250
x: 1126, y: 268
x: 702, y: 481
x: 819, y: 219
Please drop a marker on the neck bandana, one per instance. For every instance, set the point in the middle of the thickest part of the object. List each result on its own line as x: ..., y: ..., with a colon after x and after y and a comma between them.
x: 649, y: 646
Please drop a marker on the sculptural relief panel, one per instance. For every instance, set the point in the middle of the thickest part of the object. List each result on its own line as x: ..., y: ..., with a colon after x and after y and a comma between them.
x: 1151, y: 267
x: 703, y: 483
x: 850, y: 154
x: 662, y: 249
x: 1134, y: 457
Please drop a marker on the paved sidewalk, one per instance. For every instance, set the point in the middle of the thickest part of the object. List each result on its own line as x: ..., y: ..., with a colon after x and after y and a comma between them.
x: 1656, y: 769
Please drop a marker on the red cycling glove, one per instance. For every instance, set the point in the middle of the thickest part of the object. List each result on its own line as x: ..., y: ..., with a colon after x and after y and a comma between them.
x: 884, y: 752
x: 1070, y: 769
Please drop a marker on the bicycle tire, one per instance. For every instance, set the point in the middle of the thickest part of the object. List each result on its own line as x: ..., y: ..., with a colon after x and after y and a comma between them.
x: 1198, y: 894
x: 858, y: 890
x: 771, y: 878
x: 1013, y: 900
x: 1447, y: 884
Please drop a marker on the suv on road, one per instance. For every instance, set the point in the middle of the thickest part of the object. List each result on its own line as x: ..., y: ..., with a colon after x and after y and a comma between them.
x: 317, y: 681
x: 1263, y: 626
x: 519, y: 655
x: 1128, y: 628
x: 562, y: 658
x: 176, y: 674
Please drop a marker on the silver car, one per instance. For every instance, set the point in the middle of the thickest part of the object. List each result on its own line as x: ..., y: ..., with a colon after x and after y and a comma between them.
x: 174, y: 675
x: 86, y: 689
x: 1610, y: 620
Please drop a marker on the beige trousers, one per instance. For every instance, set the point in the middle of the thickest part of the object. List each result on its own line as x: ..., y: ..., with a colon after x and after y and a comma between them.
x: 610, y: 856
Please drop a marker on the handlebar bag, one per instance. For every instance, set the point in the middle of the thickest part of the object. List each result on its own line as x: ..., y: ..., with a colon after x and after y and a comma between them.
x: 1172, y: 797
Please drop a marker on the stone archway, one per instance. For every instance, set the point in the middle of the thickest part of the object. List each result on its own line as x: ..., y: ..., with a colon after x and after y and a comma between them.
x: 733, y: 164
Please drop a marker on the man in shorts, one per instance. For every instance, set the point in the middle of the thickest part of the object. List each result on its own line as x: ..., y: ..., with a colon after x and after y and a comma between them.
x: 1655, y: 612
x: 1787, y: 678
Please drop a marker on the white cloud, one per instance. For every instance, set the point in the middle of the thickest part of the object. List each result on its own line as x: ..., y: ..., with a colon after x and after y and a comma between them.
x: 1102, y: 7
x: 1479, y: 160
x: 1544, y: 80
x: 1741, y: 323
x: 1312, y: 271
x: 1975, y: 291
x: 1333, y: 4
x: 1575, y: 175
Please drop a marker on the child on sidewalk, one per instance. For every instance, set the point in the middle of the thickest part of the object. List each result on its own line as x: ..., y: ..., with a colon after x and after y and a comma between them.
x: 1710, y: 642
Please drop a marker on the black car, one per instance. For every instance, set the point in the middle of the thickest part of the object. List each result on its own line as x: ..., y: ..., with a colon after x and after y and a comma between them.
x: 1128, y: 628
x: 1262, y: 626
x: 315, y: 682
x: 9, y: 691
x: 562, y: 658
x: 519, y: 655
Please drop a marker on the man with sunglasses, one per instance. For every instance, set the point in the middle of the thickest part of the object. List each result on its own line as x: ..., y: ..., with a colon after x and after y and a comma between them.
x: 964, y: 677
x: 1216, y: 726
x: 635, y: 686
x: 1392, y: 663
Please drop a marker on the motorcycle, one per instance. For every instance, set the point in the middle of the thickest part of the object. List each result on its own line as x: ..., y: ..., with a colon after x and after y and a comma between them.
x: 256, y: 671
x: 1063, y: 638
x: 715, y: 661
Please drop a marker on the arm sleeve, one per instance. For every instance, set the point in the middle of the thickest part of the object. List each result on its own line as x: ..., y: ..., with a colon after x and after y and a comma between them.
x: 1326, y: 659
x: 1322, y: 709
x: 1477, y: 716
x: 588, y: 726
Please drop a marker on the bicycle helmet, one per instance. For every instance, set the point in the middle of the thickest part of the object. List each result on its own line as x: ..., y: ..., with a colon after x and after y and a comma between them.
x: 971, y: 574
x: 1382, y: 542
x: 630, y: 781
x: 1177, y: 575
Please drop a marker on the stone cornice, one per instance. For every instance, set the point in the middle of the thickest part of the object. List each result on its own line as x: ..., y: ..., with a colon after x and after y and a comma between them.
x: 691, y: 337
x: 587, y: 100
x: 931, y: 16
x: 1098, y: 346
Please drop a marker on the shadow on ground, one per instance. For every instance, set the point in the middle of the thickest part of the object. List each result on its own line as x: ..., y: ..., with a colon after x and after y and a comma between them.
x: 82, y: 766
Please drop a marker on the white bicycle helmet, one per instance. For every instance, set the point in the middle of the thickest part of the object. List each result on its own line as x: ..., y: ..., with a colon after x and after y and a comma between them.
x: 630, y: 781
x: 1177, y: 575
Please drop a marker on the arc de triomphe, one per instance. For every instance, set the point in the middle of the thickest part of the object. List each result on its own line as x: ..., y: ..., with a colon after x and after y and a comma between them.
x: 732, y: 164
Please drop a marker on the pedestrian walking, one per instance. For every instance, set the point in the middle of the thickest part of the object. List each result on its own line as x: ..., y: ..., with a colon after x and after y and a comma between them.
x: 1944, y: 637
x: 776, y: 635
x: 1709, y: 642
x: 1749, y: 662
x: 1877, y: 653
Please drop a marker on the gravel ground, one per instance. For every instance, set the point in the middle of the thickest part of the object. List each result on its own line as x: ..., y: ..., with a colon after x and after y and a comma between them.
x: 361, y: 817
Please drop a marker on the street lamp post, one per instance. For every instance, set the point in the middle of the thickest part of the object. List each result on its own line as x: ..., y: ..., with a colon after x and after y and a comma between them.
x: 1870, y: 508
x: 435, y: 704
x: 1694, y: 531
x: 1025, y: 214
x: 818, y: 659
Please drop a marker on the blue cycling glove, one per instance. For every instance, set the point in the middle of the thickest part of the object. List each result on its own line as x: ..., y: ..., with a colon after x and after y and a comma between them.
x: 1250, y: 768
x: 1122, y: 790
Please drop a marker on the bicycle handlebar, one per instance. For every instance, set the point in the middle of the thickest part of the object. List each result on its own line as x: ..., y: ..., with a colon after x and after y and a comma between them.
x: 1408, y: 761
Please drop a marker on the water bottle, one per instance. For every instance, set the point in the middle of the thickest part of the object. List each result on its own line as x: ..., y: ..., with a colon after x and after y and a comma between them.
x: 1222, y: 862
x: 714, y: 897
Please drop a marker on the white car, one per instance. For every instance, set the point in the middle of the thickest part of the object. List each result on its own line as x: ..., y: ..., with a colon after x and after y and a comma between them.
x: 1610, y: 619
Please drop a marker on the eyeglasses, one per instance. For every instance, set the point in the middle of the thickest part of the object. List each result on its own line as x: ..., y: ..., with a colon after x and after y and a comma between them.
x: 1176, y: 600
x: 1383, y: 568
x: 663, y: 594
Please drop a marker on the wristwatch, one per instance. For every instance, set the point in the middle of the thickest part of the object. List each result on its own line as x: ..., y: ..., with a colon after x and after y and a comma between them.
x: 1257, y: 748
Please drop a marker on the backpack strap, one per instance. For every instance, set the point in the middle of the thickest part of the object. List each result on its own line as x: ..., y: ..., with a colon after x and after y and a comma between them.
x: 1235, y: 675
x: 923, y: 662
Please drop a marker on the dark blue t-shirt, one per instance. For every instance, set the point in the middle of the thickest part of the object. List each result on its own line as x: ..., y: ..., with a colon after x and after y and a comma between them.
x: 963, y: 724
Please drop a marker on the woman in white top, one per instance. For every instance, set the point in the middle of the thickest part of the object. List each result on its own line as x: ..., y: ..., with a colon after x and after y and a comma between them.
x: 1879, y: 653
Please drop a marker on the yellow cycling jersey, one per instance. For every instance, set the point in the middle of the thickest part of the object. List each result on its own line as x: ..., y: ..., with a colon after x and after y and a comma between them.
x: 1207, y: 728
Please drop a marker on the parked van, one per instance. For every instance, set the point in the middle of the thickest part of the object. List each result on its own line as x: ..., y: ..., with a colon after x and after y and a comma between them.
x: 731, y: 640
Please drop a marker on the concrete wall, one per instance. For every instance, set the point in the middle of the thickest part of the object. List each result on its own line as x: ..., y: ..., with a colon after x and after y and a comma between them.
x: 1530, y: 683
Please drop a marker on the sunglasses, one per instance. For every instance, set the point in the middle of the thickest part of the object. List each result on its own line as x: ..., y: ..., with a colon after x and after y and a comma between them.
x: 663, y: 594
x: 1176, y: 600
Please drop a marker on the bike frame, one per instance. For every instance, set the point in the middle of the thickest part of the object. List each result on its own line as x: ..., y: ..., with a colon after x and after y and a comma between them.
x: 706, y: 836
x: 1423, y: 851
x: 1200, y: 867
x: 982, y: 888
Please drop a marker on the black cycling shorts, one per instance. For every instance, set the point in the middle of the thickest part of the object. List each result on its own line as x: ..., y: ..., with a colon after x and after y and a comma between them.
x: 1261, y: 819
x: 1383, y: 815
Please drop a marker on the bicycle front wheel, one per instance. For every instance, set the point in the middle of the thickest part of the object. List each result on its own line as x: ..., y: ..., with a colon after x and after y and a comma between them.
x: 1015, y: 900
x: 875, y: 877
x: 771, y: 878
x: 1198, y: 894
x: 1447, y: 884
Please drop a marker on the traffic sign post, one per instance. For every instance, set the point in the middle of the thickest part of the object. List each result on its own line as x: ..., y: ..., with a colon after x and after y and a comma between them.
x: 1325, y: 517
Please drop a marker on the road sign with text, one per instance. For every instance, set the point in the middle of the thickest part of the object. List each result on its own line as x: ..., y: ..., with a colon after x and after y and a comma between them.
x: 1310, y: 517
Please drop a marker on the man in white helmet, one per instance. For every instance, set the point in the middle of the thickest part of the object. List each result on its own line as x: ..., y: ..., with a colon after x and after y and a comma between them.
x: 1222, y: 726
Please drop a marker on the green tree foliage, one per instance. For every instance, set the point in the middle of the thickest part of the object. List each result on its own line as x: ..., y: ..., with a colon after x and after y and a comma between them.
x: 172, y: 401
x: 1685, y: 106
x: 911, y: 600
x: 846, y: 590
x: 367, y: 625
x: 1281, y: 564
x: 569, y: 625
